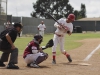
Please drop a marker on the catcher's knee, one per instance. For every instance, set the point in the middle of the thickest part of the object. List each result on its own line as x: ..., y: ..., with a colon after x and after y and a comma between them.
x: 45, y: 56
x: 41, y: 58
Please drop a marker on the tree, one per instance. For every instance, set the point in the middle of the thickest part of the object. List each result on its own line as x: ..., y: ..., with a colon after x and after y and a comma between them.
x: 80, y: 14
x: 69, y: 9
x: 57, y: 8
x: 83, y: 11
x: 77, y: 14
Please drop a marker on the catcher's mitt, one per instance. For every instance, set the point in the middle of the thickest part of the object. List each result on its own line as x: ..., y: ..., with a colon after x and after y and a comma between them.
x: 49, y: 44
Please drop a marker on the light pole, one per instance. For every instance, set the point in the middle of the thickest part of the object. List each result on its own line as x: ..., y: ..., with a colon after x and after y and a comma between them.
x: 0, y: 7
x: 6, y: 10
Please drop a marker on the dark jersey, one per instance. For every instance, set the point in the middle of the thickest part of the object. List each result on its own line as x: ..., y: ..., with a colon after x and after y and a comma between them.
x: 12, y: 33
x: 31, y: 46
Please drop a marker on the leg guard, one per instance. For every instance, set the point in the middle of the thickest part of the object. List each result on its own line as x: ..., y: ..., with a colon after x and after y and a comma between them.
x: 41, y: 58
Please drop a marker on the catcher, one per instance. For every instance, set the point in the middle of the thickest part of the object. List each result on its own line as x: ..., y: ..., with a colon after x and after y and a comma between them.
x: 34, y: 54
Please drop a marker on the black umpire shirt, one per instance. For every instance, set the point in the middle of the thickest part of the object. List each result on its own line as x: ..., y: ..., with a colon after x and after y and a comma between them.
x: 12, y: 33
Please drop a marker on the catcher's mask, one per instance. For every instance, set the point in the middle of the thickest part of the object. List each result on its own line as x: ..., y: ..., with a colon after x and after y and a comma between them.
x: 38, y: 38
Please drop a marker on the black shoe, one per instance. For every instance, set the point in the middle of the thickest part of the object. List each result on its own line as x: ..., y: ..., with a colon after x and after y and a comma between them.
x: 12, y: 66
x: 28, y: 65
x: 69, y: 58
x: 2, y: 64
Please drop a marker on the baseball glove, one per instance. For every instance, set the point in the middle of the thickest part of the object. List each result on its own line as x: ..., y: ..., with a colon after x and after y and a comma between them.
x: 49, y: 44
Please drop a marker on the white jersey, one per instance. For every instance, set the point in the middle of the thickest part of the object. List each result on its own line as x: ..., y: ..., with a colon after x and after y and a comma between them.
x: 62, y: 21
x: 41, y: 27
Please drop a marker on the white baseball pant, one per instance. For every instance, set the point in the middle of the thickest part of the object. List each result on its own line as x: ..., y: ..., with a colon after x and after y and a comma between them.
x: 41, y: 33
x: 58, y: 40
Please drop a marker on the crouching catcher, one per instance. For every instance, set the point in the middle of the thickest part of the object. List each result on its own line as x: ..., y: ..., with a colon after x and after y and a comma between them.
x: 33, y: 54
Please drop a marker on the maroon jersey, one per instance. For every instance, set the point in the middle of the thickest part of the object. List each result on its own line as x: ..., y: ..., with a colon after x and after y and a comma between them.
x: 31, y: 46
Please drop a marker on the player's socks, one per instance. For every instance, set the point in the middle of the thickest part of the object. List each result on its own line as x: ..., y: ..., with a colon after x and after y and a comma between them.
x: 68, y: 57
x: 54, y: 57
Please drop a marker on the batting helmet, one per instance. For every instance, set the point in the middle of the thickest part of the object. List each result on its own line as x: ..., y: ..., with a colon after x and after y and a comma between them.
x: 71, y: 17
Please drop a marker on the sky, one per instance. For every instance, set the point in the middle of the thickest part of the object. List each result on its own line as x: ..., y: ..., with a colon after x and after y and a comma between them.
x: 25, y: 7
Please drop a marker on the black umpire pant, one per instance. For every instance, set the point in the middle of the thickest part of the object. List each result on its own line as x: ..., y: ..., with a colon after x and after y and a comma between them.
x: 6, y: 49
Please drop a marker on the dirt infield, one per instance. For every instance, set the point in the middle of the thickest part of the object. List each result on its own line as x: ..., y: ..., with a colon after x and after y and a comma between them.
x: 63, y: 67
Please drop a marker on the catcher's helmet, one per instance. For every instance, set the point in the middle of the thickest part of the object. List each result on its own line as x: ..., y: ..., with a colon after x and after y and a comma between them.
x: 37, y: 37
x: 71, y: 17
x: 17, y: 25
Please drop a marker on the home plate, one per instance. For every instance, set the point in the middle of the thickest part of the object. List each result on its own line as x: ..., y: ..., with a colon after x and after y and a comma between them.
x: 84, y: 64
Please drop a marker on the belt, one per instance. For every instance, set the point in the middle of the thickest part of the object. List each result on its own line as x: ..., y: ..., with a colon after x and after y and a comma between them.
x: 59, y: 35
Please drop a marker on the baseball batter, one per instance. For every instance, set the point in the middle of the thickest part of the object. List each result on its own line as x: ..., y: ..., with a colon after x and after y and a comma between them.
x: 41, y: 28
x: 33, y: 54
x: 65, y: 27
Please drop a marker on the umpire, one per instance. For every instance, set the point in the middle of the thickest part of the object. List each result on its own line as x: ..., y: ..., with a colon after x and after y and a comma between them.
x: 7, y: 39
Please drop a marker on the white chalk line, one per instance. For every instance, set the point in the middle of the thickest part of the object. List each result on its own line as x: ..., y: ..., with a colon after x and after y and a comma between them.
x: 89, y: 56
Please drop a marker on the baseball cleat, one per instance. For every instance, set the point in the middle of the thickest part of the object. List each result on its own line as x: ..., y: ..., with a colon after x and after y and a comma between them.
x: 54, y: 62
x: 69, y: 58
x: 34, y: 65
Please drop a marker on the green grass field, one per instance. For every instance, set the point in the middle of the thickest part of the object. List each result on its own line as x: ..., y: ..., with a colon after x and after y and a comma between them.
x: 70, y: 41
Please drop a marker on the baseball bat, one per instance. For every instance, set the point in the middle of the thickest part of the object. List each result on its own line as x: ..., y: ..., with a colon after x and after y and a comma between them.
x: 50, y: 15
x: 56, y: 21
x: 53, y: 18
x: 47, y: 13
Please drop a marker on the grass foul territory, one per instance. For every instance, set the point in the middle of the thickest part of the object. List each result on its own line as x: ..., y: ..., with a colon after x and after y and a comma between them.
x: 70, y: 41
